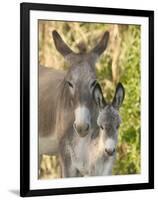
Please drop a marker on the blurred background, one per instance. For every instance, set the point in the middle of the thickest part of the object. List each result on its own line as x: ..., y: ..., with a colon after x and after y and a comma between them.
x: 119, y: 63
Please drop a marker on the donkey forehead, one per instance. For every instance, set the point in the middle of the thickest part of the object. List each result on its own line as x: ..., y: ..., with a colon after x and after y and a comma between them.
x: 82, y: 72
x: 109, y: 116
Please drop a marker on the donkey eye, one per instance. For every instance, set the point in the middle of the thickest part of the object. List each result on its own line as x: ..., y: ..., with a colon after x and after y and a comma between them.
x: 70, y: 84
x: 101, y: 127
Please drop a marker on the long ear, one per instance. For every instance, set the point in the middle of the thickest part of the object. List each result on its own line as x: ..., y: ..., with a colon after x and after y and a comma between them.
x: 119, y: 96
x: 60, y: 45
x: 98, y: 96
x: 101, y: 46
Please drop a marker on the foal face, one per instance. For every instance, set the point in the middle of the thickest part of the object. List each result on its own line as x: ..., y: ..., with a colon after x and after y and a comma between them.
x: 109, y: 122
x: 108, y: 118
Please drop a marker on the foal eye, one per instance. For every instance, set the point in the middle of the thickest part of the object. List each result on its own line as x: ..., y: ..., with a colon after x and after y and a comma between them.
x: 117, y: 127
x: 93, y: 83
x: 70, y: 84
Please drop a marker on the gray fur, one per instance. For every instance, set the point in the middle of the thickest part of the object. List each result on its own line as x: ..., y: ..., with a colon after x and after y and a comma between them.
x: 109, y: 119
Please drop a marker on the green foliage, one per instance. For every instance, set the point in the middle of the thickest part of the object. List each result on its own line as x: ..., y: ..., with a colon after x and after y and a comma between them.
x: 128, y: 157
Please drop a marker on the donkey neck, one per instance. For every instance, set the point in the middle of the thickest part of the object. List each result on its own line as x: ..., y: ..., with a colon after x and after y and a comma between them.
x: 64, y: 110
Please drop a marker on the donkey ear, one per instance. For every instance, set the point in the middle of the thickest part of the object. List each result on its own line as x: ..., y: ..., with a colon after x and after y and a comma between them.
x: 98, y: 96
x: 119, y: 96
x: 60, y: 45
x: 101, y: 46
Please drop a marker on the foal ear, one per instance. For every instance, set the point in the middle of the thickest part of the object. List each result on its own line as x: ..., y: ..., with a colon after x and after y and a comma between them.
x: 101, y: 46
x: 98, y: 96
x: 60, y: 45
x: 119, y: 96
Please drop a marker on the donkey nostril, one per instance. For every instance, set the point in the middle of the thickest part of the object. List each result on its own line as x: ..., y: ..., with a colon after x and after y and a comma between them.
x: 110, y: 152
x: 74, y: 125
x: 81, y: 128
x: 77, y: 127
x: 87, y: 128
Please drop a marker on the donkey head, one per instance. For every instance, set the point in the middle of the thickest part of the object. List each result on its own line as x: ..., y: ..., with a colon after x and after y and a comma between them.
x: 109, y: 119
x: 80, y: 81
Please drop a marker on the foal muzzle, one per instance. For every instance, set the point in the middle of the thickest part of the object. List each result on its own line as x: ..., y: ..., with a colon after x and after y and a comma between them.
x: 110, y: 152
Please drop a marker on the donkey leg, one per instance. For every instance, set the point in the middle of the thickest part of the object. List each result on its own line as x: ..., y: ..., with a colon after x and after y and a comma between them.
x: 67, y: 169
x: 107, y: 169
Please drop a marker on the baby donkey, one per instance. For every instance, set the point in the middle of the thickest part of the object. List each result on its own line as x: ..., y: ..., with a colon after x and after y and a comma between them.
x: 109, y: 121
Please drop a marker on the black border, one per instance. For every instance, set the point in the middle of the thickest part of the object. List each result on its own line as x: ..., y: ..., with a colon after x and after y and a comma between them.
x: 25, y: 9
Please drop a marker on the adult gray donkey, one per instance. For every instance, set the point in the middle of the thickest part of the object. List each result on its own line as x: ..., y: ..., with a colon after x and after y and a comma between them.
x: 66, y: 103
